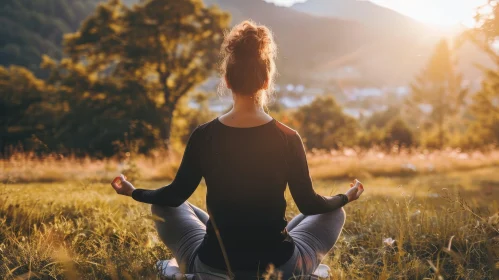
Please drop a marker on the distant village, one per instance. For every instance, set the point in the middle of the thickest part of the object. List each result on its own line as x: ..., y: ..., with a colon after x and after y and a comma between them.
x: 357, y: 100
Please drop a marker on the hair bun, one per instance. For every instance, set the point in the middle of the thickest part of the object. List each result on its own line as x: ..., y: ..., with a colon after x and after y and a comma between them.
x: 248, y: 60
x: 250, y: 41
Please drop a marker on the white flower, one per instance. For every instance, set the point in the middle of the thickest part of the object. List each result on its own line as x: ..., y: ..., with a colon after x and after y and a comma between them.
x: 388, y: 241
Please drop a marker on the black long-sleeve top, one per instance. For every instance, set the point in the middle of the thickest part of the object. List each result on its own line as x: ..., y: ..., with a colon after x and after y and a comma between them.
x: 246, y: 171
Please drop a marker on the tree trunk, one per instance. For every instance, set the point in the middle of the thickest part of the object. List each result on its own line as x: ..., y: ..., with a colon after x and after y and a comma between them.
x: 166, y: 129
x: 3, y: 141
x: 441, y: 132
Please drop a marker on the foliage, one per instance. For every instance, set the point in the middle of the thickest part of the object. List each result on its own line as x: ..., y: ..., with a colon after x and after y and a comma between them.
x: 323, y: 124
x: 397, y: 132
x: 386, y: 129
x: 27, y: 109
x: 440, y: 88
x: 484, y: 129
x: 124, y: 73
x: 186, y: 118
x: 159, y: 50
x: 382, y: 118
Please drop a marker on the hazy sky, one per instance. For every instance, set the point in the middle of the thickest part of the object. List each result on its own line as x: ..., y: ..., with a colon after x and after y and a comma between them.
x: 441, y: 12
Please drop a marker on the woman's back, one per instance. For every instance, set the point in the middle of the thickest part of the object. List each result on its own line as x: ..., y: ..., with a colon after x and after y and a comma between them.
x: 246, y: 171
x: 246, y: 175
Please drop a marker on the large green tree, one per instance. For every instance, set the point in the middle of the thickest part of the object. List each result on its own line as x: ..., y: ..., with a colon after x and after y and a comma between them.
x: 145, y: 57
x: 440, y: 88
x: 324, y: 125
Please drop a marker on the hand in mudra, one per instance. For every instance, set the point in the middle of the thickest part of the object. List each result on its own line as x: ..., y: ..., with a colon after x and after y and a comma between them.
x: 355, y: 191
x: 122, y: 186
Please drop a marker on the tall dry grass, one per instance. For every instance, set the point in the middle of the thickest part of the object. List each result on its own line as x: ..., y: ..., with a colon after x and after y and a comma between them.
x: 348, y: 163
x: 443, y: 227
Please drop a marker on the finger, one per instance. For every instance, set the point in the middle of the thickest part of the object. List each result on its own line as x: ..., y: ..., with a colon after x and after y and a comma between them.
x: 359, y: 193
x: 361, y: 186
x: 115, y: 186
x: 123, y: 177
x: 357, y: 183
x: 351, y: 185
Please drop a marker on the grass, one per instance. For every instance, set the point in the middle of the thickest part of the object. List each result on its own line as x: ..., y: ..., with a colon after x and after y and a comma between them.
x: 348, y: 163
x: 444, y: 222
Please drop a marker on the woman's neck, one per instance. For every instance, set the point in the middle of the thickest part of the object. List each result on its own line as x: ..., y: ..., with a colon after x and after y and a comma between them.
x: 246, y: 112
x: 246, y: 105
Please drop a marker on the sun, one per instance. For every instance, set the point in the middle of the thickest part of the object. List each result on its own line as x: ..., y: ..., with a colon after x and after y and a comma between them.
x: 437, y: 12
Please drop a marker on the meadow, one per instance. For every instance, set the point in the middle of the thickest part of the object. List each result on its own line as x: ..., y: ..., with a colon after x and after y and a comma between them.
x: 423, y: 216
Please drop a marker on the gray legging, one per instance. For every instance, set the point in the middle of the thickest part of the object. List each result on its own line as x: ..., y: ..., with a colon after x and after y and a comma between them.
x: 182, y: 229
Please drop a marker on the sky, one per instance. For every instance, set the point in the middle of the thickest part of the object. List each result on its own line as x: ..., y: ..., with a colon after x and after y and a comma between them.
x: 437, y: 12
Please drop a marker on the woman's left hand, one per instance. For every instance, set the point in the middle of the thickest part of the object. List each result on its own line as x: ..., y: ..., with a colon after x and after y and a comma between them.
x: 122, y: 186
x: 355, y: 191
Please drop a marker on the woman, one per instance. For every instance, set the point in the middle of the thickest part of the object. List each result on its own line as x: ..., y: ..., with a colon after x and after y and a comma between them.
x: 246, y: 158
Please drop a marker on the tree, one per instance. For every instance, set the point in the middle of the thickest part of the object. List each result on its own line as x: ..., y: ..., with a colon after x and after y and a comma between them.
x: 439, y: 87
x: 398, y: 132
x: 155, y: 52
x: 484, y: 108
x: 382, y: 118
x: 101, y: 113
x: 25, y: 107
x: 324, y: 125
x: 187, y: 118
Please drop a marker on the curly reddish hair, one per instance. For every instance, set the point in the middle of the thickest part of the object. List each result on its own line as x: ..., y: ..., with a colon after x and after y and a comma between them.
x: 248, y: 60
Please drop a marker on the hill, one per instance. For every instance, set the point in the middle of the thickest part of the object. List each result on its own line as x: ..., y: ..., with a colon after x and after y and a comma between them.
x: 323, y: 39
x: 31, y: 28
x: 403, y: 44
x: 365, y: 12
x: 305, y: 41
x: 320, y: 41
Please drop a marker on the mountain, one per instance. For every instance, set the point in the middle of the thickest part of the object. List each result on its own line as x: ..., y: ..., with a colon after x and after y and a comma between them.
x: 319, y: 38
x: 32, y: 28
x: 365, y: 12
x: 404, y: 43
x: 319, y: 41
x: 304, y: 41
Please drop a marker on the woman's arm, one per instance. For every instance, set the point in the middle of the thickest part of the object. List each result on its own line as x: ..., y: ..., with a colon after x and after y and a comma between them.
x: 185, y: 183
x: 301, y: 187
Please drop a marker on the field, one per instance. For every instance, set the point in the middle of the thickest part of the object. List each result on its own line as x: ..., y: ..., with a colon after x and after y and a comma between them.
x: 63, y: 221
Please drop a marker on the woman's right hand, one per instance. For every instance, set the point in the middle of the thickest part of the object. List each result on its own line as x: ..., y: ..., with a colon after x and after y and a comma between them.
x: 355, y: 191
x: 122, y: 186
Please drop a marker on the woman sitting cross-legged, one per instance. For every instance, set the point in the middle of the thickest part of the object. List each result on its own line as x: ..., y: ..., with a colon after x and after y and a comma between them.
x: 247, y: 159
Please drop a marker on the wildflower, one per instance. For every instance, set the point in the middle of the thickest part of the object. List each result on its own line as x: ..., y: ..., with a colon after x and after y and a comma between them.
x: 494, y: 219
x: 388, y: 241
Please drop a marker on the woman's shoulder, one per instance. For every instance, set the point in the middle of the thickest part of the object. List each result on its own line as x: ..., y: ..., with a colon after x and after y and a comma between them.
x: 205, y: 127
x: 286, y: 130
